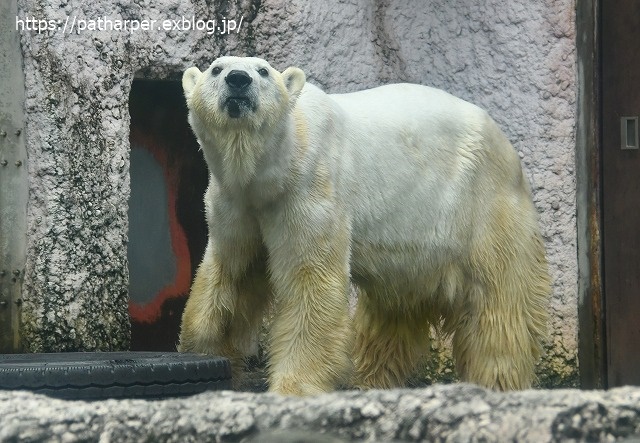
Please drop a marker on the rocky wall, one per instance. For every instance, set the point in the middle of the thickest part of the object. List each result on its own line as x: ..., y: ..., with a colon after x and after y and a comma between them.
x: 436, y: 414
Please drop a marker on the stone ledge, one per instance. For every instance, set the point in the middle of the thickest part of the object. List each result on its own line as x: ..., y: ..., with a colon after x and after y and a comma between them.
x: 458, y: 412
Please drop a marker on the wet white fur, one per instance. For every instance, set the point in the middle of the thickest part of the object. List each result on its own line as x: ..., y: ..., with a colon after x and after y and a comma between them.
x: 414, y: 195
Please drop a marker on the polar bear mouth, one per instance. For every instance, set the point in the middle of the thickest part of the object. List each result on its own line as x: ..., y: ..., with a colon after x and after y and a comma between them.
x: 237, y: 106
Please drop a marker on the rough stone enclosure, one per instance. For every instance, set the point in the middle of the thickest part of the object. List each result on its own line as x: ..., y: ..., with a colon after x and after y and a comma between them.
x: 439, y: 413
x: 515, y: 59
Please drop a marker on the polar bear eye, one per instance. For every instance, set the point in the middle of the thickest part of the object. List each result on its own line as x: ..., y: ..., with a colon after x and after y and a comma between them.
x: 216, y: 70
x: 263, y: 72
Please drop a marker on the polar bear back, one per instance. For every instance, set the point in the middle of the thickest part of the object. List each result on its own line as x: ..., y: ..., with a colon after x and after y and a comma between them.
x: 413, y: 160
x: 436, y: 129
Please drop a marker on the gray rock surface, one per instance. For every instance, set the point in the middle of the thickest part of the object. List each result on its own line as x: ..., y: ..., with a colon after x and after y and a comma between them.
x: 438, y: 413
x: 516, y: 59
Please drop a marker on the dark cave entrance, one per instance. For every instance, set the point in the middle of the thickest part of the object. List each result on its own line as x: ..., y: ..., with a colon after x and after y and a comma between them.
x: 167, y: 229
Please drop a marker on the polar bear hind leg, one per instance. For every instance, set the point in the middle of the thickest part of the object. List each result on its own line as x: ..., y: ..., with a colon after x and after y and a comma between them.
x: 499, y: 328
x: 389, y: 341
x: 493, y: 303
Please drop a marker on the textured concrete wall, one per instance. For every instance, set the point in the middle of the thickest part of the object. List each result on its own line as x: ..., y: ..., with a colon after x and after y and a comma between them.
x: 459, y: 413
x: 515, y: 59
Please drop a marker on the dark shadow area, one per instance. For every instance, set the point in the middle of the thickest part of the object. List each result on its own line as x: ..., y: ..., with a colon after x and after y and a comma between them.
x: 167, y: 229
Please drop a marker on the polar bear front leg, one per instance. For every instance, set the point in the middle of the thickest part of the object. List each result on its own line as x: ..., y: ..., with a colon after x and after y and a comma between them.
x: 209, y: 308
x: 310, y: 334
x: 230, y: 292
x: 224, y: 311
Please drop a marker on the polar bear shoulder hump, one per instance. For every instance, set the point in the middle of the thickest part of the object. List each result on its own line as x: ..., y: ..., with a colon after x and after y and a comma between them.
x: 396, y: 98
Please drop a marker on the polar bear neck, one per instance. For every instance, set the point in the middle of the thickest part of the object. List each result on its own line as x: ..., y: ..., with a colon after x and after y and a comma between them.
x: 240, y: 153
x: 236, y: 156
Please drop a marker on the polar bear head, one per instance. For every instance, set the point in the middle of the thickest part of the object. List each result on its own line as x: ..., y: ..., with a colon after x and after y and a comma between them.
x: 237, y: 108
x: 240, y: 93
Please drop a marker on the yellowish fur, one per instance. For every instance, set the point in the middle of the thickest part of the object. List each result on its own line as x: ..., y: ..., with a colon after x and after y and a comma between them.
x: 413, y: 195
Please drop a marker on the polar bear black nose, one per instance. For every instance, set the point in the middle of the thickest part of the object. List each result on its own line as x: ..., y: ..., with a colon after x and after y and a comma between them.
x: 238, y: 79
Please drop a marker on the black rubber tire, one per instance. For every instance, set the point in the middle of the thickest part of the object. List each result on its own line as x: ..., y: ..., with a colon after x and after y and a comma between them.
x: 101, y: 375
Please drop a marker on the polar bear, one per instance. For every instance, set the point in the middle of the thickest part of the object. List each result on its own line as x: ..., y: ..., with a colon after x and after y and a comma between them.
x: 413, y: 195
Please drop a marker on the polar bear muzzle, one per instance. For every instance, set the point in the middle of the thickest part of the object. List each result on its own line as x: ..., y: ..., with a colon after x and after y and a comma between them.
x: 238, y: 102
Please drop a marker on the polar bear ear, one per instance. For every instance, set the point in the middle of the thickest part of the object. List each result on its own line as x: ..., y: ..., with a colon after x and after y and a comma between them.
x: 189, y: 79
x: 294, y: 80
